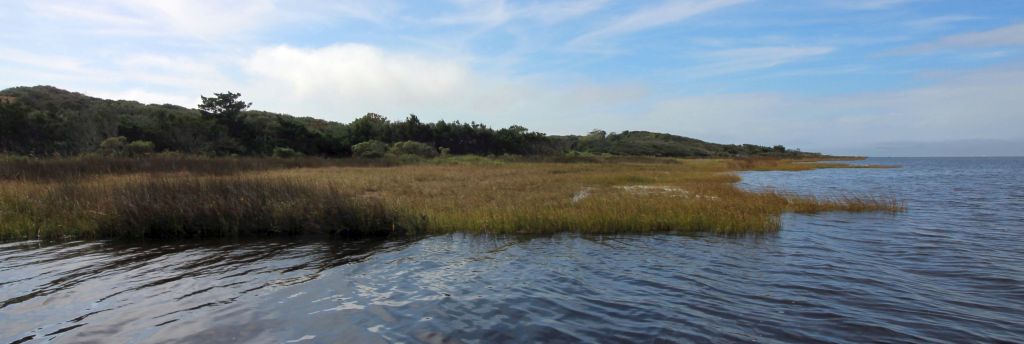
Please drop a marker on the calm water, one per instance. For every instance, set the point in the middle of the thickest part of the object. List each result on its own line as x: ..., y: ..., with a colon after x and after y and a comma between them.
x: 949, y: 270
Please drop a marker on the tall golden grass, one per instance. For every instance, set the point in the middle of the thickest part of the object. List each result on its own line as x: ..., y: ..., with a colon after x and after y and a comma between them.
x: 187, y: 206
x: 436, y: 197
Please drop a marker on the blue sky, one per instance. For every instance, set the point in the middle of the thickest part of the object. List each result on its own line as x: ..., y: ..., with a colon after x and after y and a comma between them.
x: 853, y: 77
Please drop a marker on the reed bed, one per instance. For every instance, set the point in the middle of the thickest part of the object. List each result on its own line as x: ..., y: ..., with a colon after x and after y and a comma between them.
x: 682, y: 196
x: 187, y: 206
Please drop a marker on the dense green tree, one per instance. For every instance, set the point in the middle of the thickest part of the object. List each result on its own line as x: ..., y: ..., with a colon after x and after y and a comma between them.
x: 370, y: 127
x: 46, y: 121
x: 223, y: 104
x: 242, y: 137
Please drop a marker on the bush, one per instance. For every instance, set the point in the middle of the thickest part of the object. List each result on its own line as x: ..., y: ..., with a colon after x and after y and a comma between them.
x: 285, y: 152
x: 119, y: 146
x: 369, y: 149
x: 419, y: 149
x: 139, y: 148
x: 113, y: 145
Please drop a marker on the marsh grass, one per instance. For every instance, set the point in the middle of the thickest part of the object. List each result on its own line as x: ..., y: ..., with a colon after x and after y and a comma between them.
x: 680, y: 196
x: 185, y: 206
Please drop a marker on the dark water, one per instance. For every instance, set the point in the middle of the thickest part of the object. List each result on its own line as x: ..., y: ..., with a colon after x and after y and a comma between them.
x: 951, y: 269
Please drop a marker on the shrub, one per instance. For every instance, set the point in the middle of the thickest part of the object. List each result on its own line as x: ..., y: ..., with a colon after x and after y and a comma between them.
x: 113, y: 145
x: 419, y: 149
x: 285, y: 152
x: 119, y: 146
x: 139, y: 148
x: 369, y: 149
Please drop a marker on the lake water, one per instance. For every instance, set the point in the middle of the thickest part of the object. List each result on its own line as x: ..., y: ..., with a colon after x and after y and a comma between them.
x: 951, y: 269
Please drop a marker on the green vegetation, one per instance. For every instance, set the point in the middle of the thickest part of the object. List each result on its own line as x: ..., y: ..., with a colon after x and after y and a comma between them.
x: 187, y: 197
x: 45, y: 122
x: 282, y: 152
x: 82, y: 167
x: 414, y: 148
x: 643, y: 143
x: 370, y: 149
x: 119, y: 146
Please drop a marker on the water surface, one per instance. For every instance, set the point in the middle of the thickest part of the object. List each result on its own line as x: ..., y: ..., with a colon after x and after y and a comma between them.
x: 951, y: 269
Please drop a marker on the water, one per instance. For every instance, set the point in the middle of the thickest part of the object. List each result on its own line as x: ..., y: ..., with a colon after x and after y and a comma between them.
x: 951, y: 269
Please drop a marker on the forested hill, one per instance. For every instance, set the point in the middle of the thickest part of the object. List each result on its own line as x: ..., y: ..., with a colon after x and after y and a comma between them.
x: 47, y: 121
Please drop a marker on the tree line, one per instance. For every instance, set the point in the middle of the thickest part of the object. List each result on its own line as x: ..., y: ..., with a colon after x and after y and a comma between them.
x: 47, y: 121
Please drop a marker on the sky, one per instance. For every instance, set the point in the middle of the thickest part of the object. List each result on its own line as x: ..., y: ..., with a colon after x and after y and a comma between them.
x: 868, y: 77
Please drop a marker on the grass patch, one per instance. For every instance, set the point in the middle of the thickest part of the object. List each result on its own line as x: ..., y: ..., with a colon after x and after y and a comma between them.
x: 476, y: 195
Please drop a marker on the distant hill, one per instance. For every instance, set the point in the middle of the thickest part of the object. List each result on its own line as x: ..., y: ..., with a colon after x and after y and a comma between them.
x: 45, y: 120
x: 658, y: 144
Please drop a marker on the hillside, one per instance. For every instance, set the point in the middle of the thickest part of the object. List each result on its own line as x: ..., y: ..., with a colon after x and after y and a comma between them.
x: 45, y: 121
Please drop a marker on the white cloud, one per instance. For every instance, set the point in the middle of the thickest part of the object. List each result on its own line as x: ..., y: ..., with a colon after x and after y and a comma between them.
x: 341, y: 82
x: 147, y: 97
x: 492, y: 13
x: 207, y: 20
x: 376, y: 11
x: 1003, y: 36
x: 934, y: 22
x: 870, y: 4
x: 558, y: 11
x: 204, y: 19
x: 149, y: 78
x: 42, y: 61
x: 171, y: 71
x: 982, y: 104
x: 353, y: 73
x: 747, y: 59
x: 487, y: 13
x: 650, y: 17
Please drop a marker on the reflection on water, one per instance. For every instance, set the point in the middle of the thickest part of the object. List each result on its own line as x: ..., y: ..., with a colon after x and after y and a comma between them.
x: 949, y: 270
